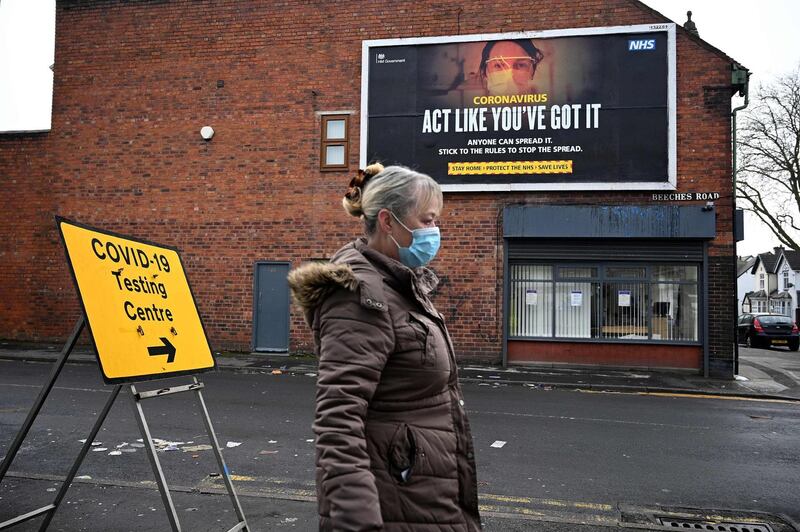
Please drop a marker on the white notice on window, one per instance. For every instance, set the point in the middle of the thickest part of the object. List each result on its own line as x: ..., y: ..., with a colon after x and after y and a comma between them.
x: 624, y: 298
x: 576, y: 298
x: 531, y: 297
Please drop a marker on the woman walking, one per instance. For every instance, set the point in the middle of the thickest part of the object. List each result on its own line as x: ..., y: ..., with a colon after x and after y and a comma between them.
x: 393, y: 447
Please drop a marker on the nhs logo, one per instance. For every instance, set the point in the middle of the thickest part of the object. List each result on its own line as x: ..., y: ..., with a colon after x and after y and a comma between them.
x: 636, y: 45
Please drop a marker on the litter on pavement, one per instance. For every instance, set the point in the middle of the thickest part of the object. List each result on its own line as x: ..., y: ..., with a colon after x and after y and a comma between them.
x: 195, y: 448
x: 166, y: 445
x: 498, y: 444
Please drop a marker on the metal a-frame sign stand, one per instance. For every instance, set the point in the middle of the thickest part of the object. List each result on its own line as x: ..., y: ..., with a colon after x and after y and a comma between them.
x: 87, y: 267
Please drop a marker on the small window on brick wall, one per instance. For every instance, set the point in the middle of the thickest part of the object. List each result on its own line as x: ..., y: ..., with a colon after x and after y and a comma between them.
x: 335, y: 147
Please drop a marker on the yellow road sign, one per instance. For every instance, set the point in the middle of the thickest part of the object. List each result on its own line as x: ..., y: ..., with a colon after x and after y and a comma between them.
x: 140, y: 310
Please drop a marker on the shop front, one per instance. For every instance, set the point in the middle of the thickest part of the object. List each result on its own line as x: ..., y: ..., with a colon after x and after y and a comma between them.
x: 618, y: 286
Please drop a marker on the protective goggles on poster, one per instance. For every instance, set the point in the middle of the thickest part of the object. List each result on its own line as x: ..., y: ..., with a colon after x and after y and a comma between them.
x: 517, y: 64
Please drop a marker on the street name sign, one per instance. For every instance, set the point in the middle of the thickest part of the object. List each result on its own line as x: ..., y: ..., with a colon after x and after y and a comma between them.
x: 138, y: 304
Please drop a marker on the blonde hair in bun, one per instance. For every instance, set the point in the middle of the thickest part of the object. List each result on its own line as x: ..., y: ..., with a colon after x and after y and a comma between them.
x: 396, y: 188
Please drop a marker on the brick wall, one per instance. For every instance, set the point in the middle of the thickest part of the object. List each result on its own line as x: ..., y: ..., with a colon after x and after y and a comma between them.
x: 722, y: 311
x: 135, y: 82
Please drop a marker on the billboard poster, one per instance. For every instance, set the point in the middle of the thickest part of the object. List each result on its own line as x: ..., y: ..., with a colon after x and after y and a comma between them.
x: 582, y: 109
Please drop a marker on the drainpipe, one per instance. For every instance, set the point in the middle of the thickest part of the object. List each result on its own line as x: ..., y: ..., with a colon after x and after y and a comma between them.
x: 706, y: 313
x: 740, y: 77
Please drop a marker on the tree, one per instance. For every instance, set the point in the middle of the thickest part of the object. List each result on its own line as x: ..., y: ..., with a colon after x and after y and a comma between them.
x: 768, y: 144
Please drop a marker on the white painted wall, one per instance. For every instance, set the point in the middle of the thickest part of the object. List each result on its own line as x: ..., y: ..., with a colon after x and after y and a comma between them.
x: 745, y: 283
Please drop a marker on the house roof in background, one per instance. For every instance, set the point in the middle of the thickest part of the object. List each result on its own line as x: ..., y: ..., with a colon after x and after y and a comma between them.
x: 758, y: 294
x: 780, y: 294
x: 768, y: 259
x: 743, y: 264
x: 793, y: 258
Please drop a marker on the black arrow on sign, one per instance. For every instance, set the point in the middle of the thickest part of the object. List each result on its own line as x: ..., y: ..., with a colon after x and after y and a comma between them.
x: 166, y: 349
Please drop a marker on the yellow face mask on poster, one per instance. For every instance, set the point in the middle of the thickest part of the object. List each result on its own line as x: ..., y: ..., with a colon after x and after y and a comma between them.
x: 509, y: 75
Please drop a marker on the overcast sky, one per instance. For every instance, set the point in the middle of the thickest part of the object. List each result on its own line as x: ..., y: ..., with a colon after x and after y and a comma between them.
x: 27, y: 34
x: 763, y: 36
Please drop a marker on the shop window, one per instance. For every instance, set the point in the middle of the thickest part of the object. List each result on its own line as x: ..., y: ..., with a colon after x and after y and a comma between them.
x: 625, y: 310
x: 577, y: 309
x: 675, y: 303
x: 604, y: 302
x: 674, y: 273
x: 531, y: 300
x: 617, y: 272
x: 572, y: 272
x: 675, y: 312
x: 334, y: 145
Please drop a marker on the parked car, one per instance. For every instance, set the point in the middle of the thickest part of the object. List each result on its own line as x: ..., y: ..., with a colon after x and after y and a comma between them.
x: 766, y: 330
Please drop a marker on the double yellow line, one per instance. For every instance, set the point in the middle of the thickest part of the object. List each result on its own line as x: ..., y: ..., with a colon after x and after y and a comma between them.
x: 579, y: 512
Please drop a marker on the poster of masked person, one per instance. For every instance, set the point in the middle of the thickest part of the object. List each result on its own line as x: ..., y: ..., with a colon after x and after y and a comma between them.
x: 583, y: 109
x: 508, y: 67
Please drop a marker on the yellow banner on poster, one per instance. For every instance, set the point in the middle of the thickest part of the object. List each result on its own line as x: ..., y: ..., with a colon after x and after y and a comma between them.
x: 510, y: 167
x: 140, y: 310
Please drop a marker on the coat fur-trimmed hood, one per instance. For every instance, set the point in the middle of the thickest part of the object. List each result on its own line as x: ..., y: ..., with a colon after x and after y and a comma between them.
x: 311, y: 283
x: 356, y: 268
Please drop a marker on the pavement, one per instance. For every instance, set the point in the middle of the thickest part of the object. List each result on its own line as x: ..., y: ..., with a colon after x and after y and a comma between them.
x: 763, y: 373
x: 570, y: 462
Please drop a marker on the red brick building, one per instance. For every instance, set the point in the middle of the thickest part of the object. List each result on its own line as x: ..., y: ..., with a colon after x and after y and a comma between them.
x: 136, y: 81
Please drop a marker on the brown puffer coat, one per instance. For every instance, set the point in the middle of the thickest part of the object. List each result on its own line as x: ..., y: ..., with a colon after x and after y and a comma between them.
x: 394, y: 450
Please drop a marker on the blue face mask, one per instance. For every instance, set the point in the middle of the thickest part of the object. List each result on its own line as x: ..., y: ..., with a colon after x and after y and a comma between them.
x: 424, y: 245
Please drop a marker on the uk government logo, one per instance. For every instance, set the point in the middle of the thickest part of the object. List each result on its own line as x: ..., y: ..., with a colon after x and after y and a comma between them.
x: 381, y: 59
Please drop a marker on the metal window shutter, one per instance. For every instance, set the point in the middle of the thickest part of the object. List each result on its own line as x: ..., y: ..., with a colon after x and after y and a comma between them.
x: 534, y: 249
